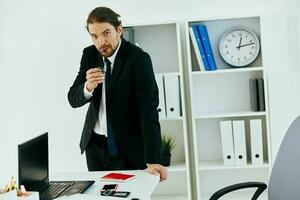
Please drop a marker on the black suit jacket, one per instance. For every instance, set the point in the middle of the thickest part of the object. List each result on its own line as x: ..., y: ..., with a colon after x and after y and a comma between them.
x: 131, y: 105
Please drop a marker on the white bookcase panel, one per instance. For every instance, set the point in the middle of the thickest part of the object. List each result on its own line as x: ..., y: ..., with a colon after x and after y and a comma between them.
x: 216, y: 28
x: 177, y: 167
x: 161, y: 42
x: 220, y: 95
x: 229, y: 70
x: 175, y: 129
x: 211, y: 115
x: 219, y: 164
x: 222, y: 92
x: 210, y: 144
x: 211, y: 181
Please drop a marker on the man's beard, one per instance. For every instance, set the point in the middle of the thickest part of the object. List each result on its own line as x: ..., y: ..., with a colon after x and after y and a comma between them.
x: 103, y: 54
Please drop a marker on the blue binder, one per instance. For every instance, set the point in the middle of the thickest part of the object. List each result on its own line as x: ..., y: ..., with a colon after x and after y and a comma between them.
x: 207, y: 46
x: 200, y: 46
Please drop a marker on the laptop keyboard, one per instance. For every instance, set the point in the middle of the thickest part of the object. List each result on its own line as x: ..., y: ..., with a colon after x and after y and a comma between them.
x: 55, y: 189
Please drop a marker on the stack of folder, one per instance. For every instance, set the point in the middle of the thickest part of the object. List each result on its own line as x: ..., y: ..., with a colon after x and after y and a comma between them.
x: 169, y: 95
x: 234, y: 147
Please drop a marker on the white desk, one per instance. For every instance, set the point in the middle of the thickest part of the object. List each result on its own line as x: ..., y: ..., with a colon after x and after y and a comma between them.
x: 140, y: 187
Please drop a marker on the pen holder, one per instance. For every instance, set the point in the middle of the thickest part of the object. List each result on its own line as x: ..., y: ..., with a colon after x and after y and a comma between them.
x: 13, y: 196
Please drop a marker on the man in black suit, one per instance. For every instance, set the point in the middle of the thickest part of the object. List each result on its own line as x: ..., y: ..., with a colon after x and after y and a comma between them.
x: 116, y: 78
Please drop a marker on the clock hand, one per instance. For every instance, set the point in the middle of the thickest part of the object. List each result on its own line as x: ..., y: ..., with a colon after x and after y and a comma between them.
x: 247, y: 44
x: 238, y: 47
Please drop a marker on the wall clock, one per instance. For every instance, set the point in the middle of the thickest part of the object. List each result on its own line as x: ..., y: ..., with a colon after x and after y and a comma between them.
x: 239, y: 47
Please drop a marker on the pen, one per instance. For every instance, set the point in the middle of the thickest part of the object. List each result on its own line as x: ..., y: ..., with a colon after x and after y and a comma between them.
x: 15, y: 185
x: 5, y: 188
x: 11, y: 184
x: 19, y: 193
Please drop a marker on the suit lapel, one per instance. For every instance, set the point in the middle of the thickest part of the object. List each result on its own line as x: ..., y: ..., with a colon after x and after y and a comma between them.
x: 118, y: 66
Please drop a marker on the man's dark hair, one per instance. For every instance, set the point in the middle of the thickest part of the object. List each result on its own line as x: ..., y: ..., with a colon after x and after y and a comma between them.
x: 103, y: 14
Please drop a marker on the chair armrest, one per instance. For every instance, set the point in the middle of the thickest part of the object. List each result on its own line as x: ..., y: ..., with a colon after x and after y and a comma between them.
x: 260, y: 188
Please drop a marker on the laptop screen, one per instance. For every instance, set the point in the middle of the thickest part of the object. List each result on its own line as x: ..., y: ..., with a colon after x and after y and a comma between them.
x: 33, y: 162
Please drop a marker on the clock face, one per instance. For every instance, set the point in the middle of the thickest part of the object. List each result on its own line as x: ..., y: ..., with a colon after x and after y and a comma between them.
x: 239, y: 47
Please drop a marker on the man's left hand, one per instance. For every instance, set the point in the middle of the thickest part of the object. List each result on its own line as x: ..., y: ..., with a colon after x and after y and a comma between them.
x: 158, y: 169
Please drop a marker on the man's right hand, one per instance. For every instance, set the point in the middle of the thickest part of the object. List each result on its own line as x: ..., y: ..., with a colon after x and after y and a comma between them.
x: 156, y: 169
x: 94, y: 76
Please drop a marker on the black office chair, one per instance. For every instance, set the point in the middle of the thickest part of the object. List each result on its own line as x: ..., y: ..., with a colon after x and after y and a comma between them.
x: 284, y: 183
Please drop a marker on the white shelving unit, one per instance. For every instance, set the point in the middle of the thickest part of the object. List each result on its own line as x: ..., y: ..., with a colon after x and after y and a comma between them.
x: 162, y: 41
x: 220, y: 95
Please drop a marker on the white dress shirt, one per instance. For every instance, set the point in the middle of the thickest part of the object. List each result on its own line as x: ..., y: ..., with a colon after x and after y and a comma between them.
x: 101, y: 126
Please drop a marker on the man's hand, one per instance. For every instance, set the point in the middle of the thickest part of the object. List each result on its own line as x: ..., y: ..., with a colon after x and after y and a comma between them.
x: 158, y: 169
x: 94, y: 76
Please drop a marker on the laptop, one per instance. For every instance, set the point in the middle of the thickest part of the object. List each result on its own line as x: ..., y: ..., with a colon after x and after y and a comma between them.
x: 34, y: 171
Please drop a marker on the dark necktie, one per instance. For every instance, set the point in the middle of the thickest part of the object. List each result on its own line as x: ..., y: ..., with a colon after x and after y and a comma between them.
x: 112, y: 147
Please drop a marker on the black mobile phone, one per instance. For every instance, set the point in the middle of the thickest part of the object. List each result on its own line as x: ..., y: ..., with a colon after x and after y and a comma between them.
x: 111, y: 187
x: 115, y: 193
x: 120, y: 194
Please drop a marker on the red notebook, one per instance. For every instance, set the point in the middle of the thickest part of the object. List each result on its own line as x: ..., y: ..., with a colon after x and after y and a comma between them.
x: 117, y: 177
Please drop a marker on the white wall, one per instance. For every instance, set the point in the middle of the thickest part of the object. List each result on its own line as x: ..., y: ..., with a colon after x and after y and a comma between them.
x: 282, y: 55
x: 40, y: 49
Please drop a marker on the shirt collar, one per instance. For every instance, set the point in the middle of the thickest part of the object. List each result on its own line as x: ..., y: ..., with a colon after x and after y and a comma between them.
x: 113, y: 57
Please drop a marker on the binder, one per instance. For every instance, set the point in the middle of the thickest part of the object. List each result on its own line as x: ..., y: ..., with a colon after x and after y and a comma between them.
x: 172, y: 92
x: 198, y: 47
x: 227, y: 142
x: 256, y: 141
x: 239, y: 139
x: 261, y: 95
x: 253, y: 94
x: 161, y: 92
x: 207, y: 46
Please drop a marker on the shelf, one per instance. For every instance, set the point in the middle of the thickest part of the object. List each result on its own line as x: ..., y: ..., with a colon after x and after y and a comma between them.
x: 171, y: 119
x: 218, y: 165
x: 177, y: 167
x: 238, y: 196
x: 231, y: 70
x: 166, y: 56
x: 230, y: 114
x: 169, y: 197
x: 224, y: 95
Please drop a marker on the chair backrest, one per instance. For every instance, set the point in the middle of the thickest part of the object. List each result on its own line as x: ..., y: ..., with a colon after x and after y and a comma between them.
x: 285, y: 177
